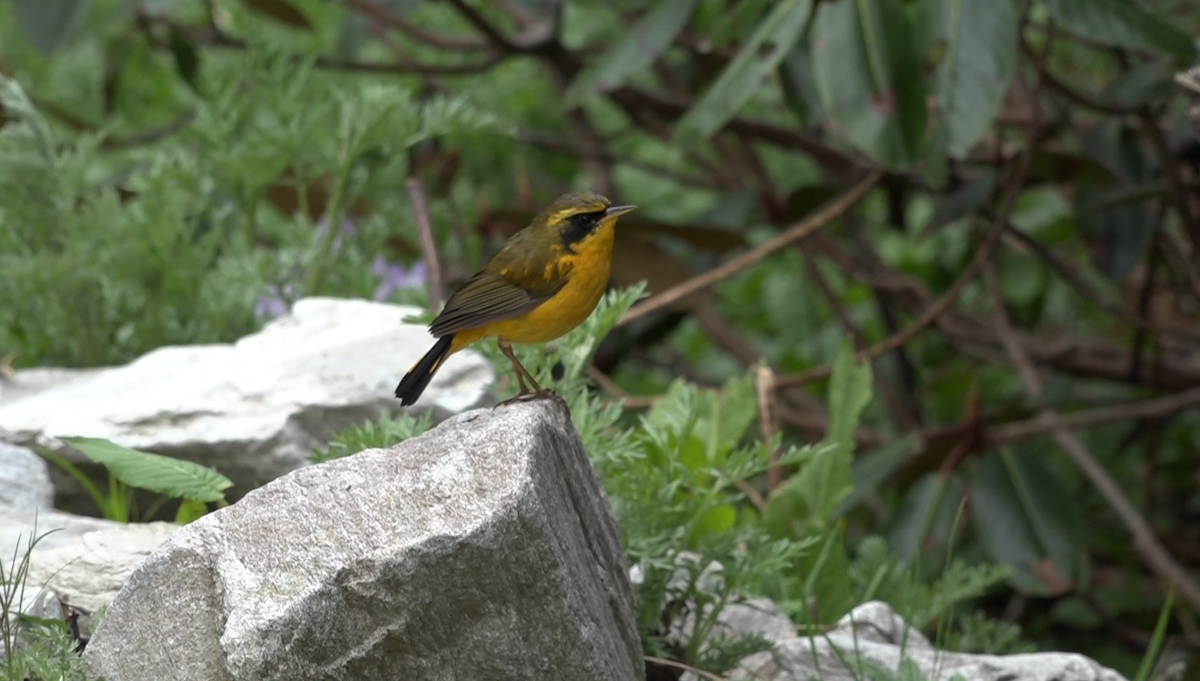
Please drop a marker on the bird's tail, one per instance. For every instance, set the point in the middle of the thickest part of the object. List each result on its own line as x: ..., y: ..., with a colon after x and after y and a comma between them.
x: 414, y: 382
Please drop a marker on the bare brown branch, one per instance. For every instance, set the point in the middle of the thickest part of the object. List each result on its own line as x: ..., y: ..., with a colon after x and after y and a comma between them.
x: 795, y: 232
x: 433, y: 267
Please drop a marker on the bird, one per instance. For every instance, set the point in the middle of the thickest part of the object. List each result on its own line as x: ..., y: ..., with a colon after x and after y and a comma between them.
x: 543, y: 282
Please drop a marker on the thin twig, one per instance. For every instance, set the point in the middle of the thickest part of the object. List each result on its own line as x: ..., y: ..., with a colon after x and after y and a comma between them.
x: 812, y: 269
x: 1170, y: 170
x: 433, y: 268
x: 1157, y: 408
x: 483, y: 26
x: 768, y: 420
x: 1072, y: 274
x: 1016, y: 181
x: 798, y: 231
x: 1178, y: 255
x: 927, y: 316
x: 685, y: 667
x: 383, y: 16
x: 1144, y: 540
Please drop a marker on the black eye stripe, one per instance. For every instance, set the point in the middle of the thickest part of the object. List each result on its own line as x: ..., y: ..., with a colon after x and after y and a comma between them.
x: 579, y: 226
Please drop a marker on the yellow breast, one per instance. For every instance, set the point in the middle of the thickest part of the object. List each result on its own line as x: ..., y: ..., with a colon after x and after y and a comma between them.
x: 590, y: 266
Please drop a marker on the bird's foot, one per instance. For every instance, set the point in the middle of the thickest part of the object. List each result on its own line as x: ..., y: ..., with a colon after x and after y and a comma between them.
x: 531, y: 395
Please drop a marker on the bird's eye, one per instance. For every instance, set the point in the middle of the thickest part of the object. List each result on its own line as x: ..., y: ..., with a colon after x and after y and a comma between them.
x: 585, y: 222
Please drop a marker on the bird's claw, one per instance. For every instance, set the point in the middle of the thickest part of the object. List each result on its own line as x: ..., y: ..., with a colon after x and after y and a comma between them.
x: 531, y: 395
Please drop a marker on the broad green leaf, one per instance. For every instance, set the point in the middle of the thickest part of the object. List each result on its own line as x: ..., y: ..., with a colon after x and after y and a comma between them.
x: 925, y: 516
x: 643, y: 43
x: 978, y: 43
x: 187, y: 57
x: 800, y: 85
x: 1023, y: 519
x: 1023, y: 277
x: 824, y: 574
x: 717, y: 519
x: 154, y: 472
x: 756, y: 60
x: 47, y: 23
x: 732, y: 410
x: 727, y: 23
x: 806, y: 502
x: 1121, y: 22
x: 190, y: 510
x: 871, y: 468
x: 849, y: 394
x: 868, y: 73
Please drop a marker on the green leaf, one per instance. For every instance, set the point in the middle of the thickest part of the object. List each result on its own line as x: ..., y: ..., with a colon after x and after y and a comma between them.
x: 652, y: 34
x: 849, y: 394
x: 281, y: 11
x: 731, y: 410
x: 47, y: 23
x: 1024, y: 519
x: 717, y: 519
x: 187, y: 57
x: 1023, y: 277
x: 868, y: 73
x: 154, y: 472
x: 925, y: 515
x: 1121, y: 22
x: 978, y: 41
x: 827, y: 586
x: 807, y: 501
x: 800, y: 85
x: 757, y: 59
x: 871, y: 468
x: 190, y: 510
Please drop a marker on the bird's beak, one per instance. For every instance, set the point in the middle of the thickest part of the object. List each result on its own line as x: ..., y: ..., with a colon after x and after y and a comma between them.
x: 614, y: 211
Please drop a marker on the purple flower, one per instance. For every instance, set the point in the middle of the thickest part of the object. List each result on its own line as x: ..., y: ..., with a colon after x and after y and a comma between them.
x: 394, y: 276
x: 274, y: 303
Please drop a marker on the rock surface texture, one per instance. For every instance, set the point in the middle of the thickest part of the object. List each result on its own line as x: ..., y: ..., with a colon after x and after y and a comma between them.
x: 253, y: 410
x: 24, y: 479
x: 874, y: 633
x: 81, y: 562
x: 484, y: 549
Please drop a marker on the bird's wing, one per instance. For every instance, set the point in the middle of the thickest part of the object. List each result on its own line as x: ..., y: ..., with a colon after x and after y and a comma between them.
x: 514, y: 283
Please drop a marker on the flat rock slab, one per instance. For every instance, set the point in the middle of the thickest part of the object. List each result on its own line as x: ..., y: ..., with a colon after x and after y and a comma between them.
x: 84, y: 561
x: 873, y: 633
x: 484, y: 549
x: 253, y: 410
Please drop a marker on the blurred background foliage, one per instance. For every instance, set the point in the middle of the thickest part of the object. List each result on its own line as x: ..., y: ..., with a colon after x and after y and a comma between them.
x: 1022, y: 267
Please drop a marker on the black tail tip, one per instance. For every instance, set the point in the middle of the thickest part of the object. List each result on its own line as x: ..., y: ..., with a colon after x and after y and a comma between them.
x: 418, y: 378
x: 405, y: 398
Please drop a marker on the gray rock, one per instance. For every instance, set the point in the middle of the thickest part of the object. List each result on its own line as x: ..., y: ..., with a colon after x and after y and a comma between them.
x: 484, y: 549
x: 874, y: 632
x: 85, y: 561
x: 253, y: 410
x: 24, y: 479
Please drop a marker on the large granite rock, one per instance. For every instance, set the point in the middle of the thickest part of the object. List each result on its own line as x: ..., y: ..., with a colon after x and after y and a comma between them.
x: 253, y: 410
x: 24, y: 479
x: 484, y: 549
x: 874, y: 633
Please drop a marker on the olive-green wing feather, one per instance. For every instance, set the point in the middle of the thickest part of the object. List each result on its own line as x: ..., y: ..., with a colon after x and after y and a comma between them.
x: 514, y: 282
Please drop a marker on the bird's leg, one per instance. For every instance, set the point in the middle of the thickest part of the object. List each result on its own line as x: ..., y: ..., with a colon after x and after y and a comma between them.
x: 533, y: 391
